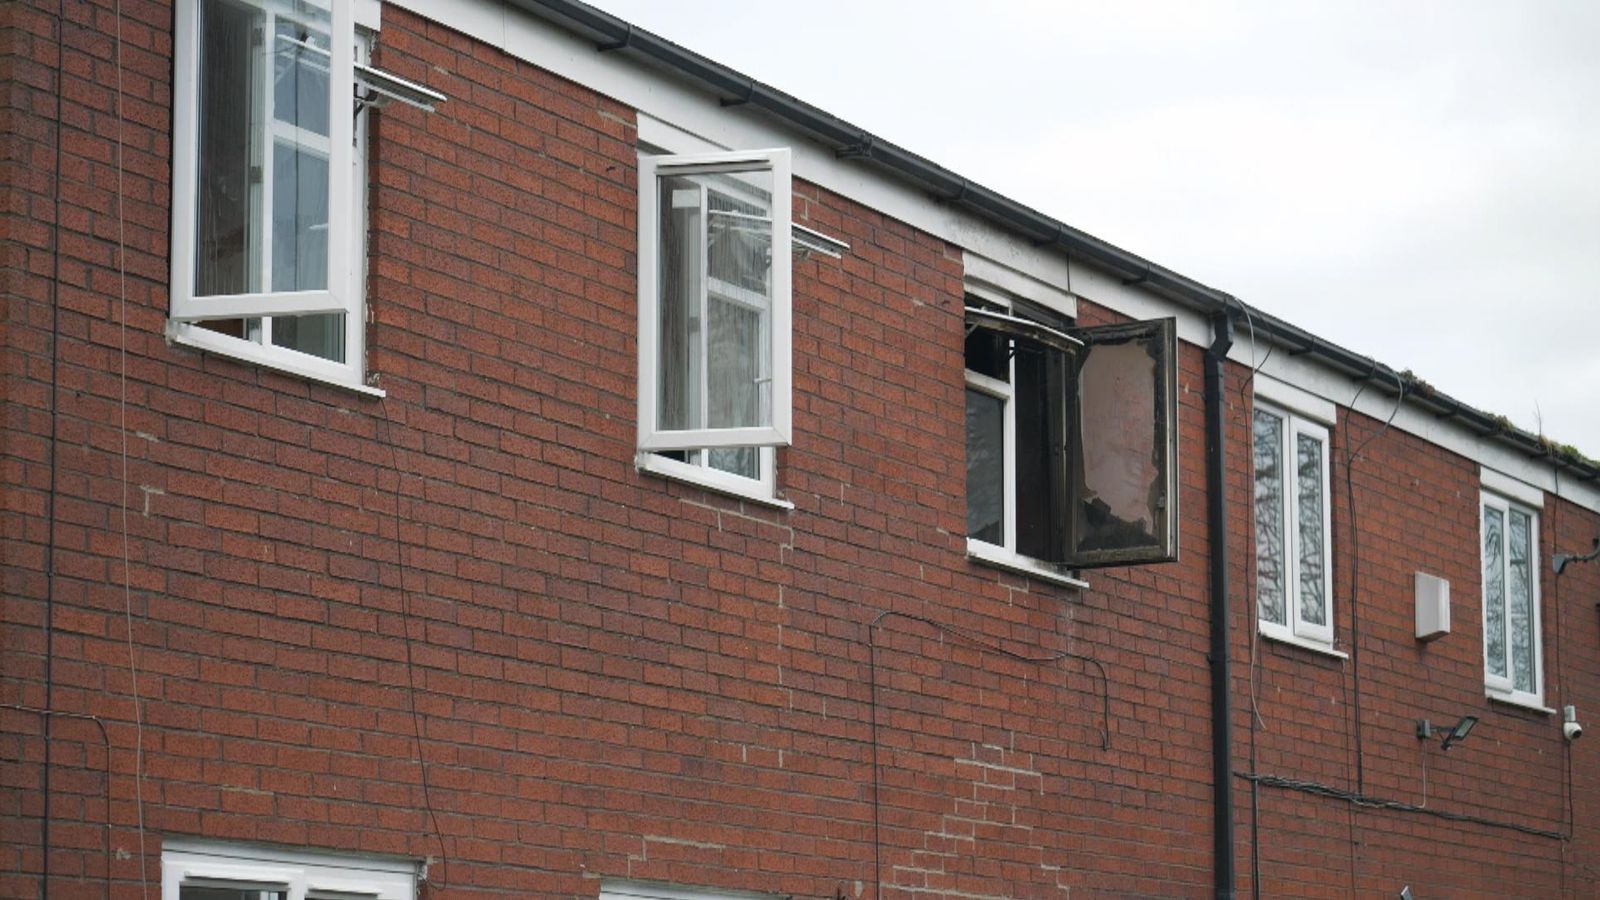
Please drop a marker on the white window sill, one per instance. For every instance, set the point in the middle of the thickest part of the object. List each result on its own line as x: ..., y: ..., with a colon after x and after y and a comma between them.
x: 1294, y: 640
x: 710, y: 479
x: 1521, y: 701
x: 989, y: 555
x: 277, y: 359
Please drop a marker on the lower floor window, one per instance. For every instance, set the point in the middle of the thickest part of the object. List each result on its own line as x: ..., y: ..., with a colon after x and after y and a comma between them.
x: 207, y: 870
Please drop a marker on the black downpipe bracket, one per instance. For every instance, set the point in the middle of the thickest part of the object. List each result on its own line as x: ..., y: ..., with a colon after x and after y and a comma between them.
x: 1221, y: 674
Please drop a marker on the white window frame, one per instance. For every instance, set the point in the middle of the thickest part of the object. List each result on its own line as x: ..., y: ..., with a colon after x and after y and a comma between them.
x: 1295, y: 629
x: 780, y: 431
x: 1503, y: 687
x: 346, y: 255
x: 639, y: 890
x: 301, y: 875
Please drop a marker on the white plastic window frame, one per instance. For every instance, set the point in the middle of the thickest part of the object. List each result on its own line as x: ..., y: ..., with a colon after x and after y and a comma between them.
x: 780, y: 432
x: 1005, y: 555
x: 1297, y: 630
x: 346, y: 257
x: 634, y: 890
x: 300, y: 875
x: 1503, y: 687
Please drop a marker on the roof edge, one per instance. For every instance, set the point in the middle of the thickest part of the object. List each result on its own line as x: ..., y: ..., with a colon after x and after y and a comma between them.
x: 613, y: 34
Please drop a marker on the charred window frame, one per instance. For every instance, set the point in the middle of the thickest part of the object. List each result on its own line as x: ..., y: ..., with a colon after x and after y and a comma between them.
x: 1071, y: 438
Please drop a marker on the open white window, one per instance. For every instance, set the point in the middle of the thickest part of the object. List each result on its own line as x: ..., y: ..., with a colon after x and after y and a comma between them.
x: 1294, y: 596
x: 1512, y: 655
x: 206, y: 870
x: 714, y: 305
x: 1071, y: 439
x: 267, y: 183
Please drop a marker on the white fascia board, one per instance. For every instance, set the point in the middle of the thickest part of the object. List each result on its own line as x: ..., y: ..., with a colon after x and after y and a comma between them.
x: 698, y: 114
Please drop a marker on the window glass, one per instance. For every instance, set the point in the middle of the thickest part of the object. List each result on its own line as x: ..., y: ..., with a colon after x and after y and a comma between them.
x: 227, y: 227
x: 1040, y: 456
x: 1494, y: 591
x: 1519, y: 595
x: 1311, y: 543
x: 1291, y: 513
x: 985, y: 467
x: 1268, y: 442
x: 197, y: 892
x: 715, y: 302
x: 261, y: 175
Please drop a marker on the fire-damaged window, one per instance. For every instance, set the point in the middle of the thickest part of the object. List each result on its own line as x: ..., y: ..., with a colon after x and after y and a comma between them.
x: 1071, y: 439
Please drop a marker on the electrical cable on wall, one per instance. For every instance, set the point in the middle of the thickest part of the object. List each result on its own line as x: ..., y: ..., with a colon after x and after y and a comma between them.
x: 50, y: 503
x: 411, y: 671
x: 973, y: 641
x: 105, y: 745
x: 122, y: 427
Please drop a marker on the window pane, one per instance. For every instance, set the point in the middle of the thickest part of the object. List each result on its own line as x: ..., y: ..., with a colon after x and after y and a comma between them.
x: 732, y: 368
x: 740, y: 252
x: 1520, y: 601
x: 195, y: 892
x: 985, y: 467
x: 1270, y: 557
x: 1494, y: 591
x: 745, y: 461
x: 1038, y: 455
x: 678, y: 400
x: 716, y: 301
x: 299, y: 219
x: 988, y: 351
x: 300, y: 93
x: 319, y: 335
x: 1312, y: 543
x: 227, y: 227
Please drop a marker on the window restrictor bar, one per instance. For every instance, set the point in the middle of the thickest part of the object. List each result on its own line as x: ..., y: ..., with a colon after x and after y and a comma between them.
x: 808, y: 240
x: 1025, y: 329
x: 382, y: 88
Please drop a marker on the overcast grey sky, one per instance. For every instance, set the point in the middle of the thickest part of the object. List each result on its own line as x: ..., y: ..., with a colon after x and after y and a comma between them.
x: 1417, y: 181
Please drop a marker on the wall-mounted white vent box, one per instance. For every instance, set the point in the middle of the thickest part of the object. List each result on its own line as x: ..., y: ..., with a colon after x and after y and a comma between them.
x: 1433, y: 607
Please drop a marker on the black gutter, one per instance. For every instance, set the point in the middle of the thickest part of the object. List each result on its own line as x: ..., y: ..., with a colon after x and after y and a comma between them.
x: 1216, y: 361
x: 736, y: 89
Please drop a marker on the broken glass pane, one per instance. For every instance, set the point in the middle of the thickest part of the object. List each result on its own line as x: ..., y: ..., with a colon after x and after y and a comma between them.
x: 1123, y: 435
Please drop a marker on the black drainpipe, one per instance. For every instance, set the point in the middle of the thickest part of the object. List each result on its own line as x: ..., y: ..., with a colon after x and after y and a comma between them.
x: 1217, y: 538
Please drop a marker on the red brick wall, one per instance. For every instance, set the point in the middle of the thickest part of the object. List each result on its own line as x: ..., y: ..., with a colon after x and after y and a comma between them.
x: 615, y: 675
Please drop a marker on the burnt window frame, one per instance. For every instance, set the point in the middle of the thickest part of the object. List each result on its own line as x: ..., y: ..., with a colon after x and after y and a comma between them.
x: 1033, y: 331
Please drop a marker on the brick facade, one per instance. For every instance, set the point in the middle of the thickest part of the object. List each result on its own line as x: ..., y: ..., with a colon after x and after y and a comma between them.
x: 608, y: 674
